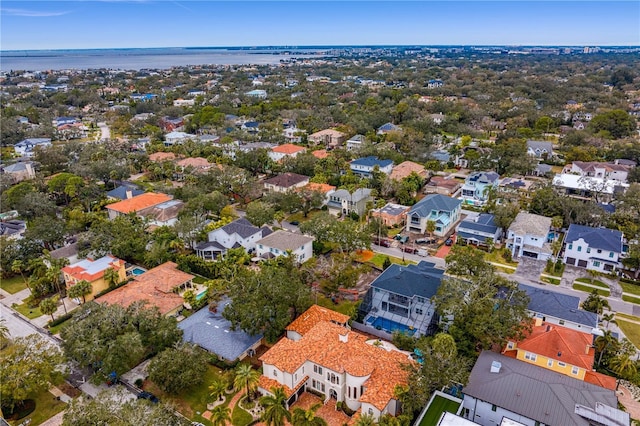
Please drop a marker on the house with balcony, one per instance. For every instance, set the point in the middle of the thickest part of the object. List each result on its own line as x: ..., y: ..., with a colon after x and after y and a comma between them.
x: 326, y: 356
x: 560, y: 349
x: 610, y: 171
x: 480, y: 230
x: 93, y: 271
x: 443, y: 210
x: 506, y: 391
x: 477, y: 185
x: 280, y: 243
x: 529, y: 236
x: 344, y: 202
x: 365, y: 166
x: 239, y: 233
x: 597, y: 249
x: 400, y: 299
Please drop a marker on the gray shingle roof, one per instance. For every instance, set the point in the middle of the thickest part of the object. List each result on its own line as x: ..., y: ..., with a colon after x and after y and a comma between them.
x: 242, y: 227
x: 434, y: 202
x: 356, y: 196
x: 540, y: 146
x: 213, y: 333
x: 287, y: 180
x: 121, y: 192
x: 285, y: 240
x: 558, y: 305
x: 532, y: 224
x: 412, y: 280
x: 484, y: 223
x: 599, y: 238
x: 534, y: 392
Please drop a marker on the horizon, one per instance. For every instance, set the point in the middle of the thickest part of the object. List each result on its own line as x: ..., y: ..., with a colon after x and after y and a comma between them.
x: 147, y: 24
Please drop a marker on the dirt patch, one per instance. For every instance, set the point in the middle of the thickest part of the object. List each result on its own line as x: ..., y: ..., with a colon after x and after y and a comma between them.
x: 67, y: 389
x: 364, y: 255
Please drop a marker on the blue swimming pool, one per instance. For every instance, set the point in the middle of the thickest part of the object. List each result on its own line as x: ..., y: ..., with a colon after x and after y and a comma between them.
x: 138, y: 271
x: 201, y: 295
x: 389, y: 326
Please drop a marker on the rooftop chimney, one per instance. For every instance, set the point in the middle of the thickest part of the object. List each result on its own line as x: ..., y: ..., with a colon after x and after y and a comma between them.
x: 344, y: 337
x: 548, y: 327
x: 129, y: 194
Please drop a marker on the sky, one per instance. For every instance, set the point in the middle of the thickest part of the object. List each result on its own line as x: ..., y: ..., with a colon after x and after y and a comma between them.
x: 87, y: 24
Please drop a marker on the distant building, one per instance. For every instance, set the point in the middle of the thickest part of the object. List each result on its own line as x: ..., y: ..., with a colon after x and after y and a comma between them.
x: 356, y: 142
x: 257, y: 93
x: 281, y: 242
x: 279, y: 152
x: 19, y: 171
x: 329, y: 137
x: 25, y: 147
x: 539, y: 149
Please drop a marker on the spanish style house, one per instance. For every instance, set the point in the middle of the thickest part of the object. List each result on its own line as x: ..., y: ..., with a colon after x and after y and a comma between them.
x: 400, y: 300
x: 443, y: 210
x: 328, y: 137
x: 528, y: 236
x: 480, y: 230
x: 321, y: 353
x: 598, y: 249
x: 92, y: 271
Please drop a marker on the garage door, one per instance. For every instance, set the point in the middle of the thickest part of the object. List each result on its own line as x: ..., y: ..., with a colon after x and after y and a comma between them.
x: 582, y: 263
x: 571, y: 261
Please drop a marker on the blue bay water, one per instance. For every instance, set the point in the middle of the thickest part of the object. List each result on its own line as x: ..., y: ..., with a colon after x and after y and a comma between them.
x: 136, y: 59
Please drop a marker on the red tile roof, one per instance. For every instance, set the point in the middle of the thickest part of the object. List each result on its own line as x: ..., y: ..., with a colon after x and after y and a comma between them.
x: 320, y: 153
x: 319, y: 187
x: 79, y: 273
x: 139, y: 202
x: 288, y: 148
x: 600, y: 379
x: 313, y: 316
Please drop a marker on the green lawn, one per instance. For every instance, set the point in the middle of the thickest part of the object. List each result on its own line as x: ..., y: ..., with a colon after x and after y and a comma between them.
x: 499, y: 256
x: 46, y: 407
x: 378, y: 260
x: 13, y: 284
x: 240, y: 417
x: 28, y: 312
x: 627, y: 316
x: 56, y: 329
x: 581, y: 287
x: 438, y: 406
x: 346, y: 307
x: 504, y: 270
x: 631, y: 299
x: 631, y: 330
x: 596, y: 283
x: 549, y: 280
x: 630, y: 288
x: 299, y: 216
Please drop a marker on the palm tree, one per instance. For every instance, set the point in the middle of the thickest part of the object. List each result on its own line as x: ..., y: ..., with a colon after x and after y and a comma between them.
x: 603, y: 343
x: 609, y: 318
x: 54, y: 273
x: 247, y: 378
x: 81, y: 289
x: 595, y: 303
x: 302, y: 417
x: 220, y: 415
x: 4, y: 330
x: 624, y: 364
x: 275, y: 410
x: 18, y: 267
x: 365, y: 420
x: 49, y: 306
x: 218, y: 388
x: 111, y: 277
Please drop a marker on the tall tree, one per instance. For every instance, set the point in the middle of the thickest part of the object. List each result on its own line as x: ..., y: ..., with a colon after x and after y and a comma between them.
x: 246, y: 378
x: 275, y: 410
x: 259, y: 213
x: 49, y: 306
x: 308, y: 417
x: 81, y: 289
x: 220, y: 415
x: 467, y: 261
x: 595, y: 303
x: 177, y: 369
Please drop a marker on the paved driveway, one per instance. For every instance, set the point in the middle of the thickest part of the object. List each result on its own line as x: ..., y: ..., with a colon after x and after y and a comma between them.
x: 530, y: 268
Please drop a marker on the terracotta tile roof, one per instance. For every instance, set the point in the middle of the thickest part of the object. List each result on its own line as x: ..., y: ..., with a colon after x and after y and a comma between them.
x: 140, y: 202
x: 288, y: 148
x: 91, y: 270
x: 342, y: 350
x: 313, y: 316
x: 600, y: 379
x: 195, y: 162
x: 320, y: 187
x: 154, y: 286
x: 560, y: 343
x: 404, y: 169
x: 320, y: 153
x: 161, y: 156
x: 267, y: 383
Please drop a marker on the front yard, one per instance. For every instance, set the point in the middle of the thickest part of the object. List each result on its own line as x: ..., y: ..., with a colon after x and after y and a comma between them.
x: 630, y: 329
x: 589, y: 289
x: 12, y: 285
x: 47, y: 406
x: 594, y: 282
x: 502, y: 256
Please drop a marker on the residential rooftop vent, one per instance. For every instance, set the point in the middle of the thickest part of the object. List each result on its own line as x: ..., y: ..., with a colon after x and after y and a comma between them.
x: 496, y: 366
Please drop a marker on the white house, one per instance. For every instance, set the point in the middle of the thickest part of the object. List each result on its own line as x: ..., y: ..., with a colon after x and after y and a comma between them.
x: 25, y: 147
x: 281, y: 242
x: 479, y: 230
x: 477, y: 185
x: 597, y: 249
x: 277, y: 153
x: 601, y: 189
x: 609, y: 171
x: 356, y: 142
x: 239, y: 233
x: 365, y: 166
x: 174, y: 138
x: 345, y: 202
x: 528, y: 236
x: 257, y: 93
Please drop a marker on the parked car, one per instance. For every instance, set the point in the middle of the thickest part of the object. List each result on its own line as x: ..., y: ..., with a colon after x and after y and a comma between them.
x: 381, y: 242
x: 409, y: 250
x: 148, y: 396
x: 449, y: 242
x: 426, y: 240
x: 294, y: 223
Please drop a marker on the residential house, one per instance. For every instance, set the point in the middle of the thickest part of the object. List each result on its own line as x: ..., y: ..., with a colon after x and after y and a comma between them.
x: 542, y: 169
x: 434, y: 84
x: 177, y: 138
x: 171, y: 124
x: 322, y: 188
x: 391, y: 214
x: 293, y: 134
x: 124, y: 192
x: 405, y: 169
x: 163, y: 214
x: 502, y: 389
x: 239, y: 233
x: 560, y: 349
x: 445, y: 185
x: 559, y: 309
x: 443, y: 210
x: 365, y: 166
x: 339, y: 363
x: 356, y: 142
x: 608, y: 171
x: 442, y: 156
x: 279, y: 152
x: 477, y: 186
x: 312, y: 316
x: 209, y: 139
x: 159, y: 157
x: 344, y: 202
x: 19, y: 171
x: 25, y: 148
x: 438, y: 118
x: 251, y: 126
x: 184, y: 102
x: 281, y: 242
x: 597, y: 249
x: 588, y: 188
x: 93, y: 272
x: 196, y: 164
x: 160, y: 287
x: 514, y: 188
x: 400, y: 299
x: 528, y: 236
x: 320, y: 154
x: 328, y: 137
x: 136, y: 204
x: 257, y: 93
x: 68, y: 252
x: 13, y: 229
x: 285, y: 182
x: 540, y: 149
x: 388, y: 127
x: 480, y: 230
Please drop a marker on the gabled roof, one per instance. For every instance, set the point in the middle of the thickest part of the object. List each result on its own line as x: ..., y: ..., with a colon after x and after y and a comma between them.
x: 371, y: 161
x: 413, y: 280
x: 484, y: 222
x: 599, y: 238
x: 242, y: 227
x: 146, y: 200
x: 122, y: 191
x: 437, y: 202
x: 540, y: 146
x: 558, y: 305
x: 356, y: 196
x: 288, y: 148
x: 313, y: 316
x: 534, y: 392
x: 16, y: 167
x: 529, y: 223
x: 483, y: 177
x: 320, y: 187
x: 388, y: 127
x: 284, y: 240
x: 287, y: 180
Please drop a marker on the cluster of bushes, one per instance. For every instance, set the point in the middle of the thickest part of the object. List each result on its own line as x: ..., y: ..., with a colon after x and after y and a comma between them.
x: 342, y: 406
x: 224, y: 365
x: 191, y: 263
